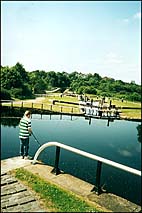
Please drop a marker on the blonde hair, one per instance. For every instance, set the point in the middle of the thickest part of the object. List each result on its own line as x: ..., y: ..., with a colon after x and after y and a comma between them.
x: 27, y: 113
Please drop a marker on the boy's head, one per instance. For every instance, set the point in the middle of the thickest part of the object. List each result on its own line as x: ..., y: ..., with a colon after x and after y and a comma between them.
x: 27, y: 113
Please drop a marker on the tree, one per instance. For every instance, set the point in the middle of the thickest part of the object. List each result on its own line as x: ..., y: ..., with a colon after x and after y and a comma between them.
x: 62, y: 80
x: 81, y: 90
x: 134, y: 97
x: 90, y: 90
x: 20, y: 69
x: 4, y: 77
x: 10, y: 78
x: 52, y: 78
x: 40, y: 87
x: 16, y: 77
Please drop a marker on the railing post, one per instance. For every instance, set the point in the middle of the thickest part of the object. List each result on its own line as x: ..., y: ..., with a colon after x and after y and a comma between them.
x: 56, y: 170
x: 97, y: 187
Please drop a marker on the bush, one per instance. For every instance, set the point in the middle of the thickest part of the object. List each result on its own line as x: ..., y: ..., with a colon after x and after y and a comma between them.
x: 16, y: 93
x: 90, y: 90
x: 26, y: 91
x: 134, y: 97
x: 107, y: 94
x: 21, y: 93
x: 5, y: 94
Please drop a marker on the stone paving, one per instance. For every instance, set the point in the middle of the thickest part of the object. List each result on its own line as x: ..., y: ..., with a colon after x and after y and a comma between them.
x: 15, y: 197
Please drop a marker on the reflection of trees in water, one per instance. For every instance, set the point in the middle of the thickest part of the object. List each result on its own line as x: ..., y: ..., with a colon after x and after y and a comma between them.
x: 11, y: 116
x: 139, y: 128
x: 10, y: 121
x: 12, y: 112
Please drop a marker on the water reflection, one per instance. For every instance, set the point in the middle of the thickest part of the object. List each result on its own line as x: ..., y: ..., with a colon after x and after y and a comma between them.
x: 11, y: 122
x: 139, y: 129
x: 108, y: 120
x: 11, y: 112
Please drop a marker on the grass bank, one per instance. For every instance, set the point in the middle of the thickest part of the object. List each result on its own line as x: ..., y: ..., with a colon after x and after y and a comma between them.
x: 128, y: 113
x: 54, y: 198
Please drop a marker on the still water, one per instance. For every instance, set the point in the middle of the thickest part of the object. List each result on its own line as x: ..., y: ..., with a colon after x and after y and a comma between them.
x: 118, y: 141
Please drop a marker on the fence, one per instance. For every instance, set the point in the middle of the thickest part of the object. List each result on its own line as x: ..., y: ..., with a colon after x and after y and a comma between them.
x: 59, y: 107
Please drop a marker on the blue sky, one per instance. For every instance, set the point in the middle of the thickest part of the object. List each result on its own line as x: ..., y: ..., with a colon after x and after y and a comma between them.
x: 101, y: 37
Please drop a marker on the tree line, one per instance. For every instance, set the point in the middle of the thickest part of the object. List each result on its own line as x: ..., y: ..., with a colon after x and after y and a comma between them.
x: 16, y: 82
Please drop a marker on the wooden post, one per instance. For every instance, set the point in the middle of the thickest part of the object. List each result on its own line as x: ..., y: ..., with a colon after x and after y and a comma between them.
x: 22, y: 104
x: 51, y: 107
x: 72, y: 110
x: 61, y: 108
x: 32, y: 105
x: 42, y: 106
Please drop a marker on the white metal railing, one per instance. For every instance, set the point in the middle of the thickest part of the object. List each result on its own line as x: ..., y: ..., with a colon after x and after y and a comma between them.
x: 86, y: 154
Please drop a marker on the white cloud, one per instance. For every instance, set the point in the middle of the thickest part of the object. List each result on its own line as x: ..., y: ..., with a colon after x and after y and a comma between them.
x: 125, y: 153
x: 126, y: 20
x: 137, y: 15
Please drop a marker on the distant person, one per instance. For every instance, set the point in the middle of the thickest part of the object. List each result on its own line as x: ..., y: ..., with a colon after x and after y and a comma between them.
x: 24, y: 133
x: 104, y: 99
x: 92, y: 102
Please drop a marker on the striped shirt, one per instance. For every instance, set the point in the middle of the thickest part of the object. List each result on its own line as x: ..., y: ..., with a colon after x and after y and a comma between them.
x: 25, y: 124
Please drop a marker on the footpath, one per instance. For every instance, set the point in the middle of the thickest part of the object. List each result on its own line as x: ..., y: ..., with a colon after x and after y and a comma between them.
x: 16, y: 197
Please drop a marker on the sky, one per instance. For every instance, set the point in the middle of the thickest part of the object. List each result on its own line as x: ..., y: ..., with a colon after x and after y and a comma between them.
x: 101, y: 37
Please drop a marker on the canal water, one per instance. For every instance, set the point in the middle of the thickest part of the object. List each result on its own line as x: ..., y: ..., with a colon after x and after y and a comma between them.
x: 117, y: 140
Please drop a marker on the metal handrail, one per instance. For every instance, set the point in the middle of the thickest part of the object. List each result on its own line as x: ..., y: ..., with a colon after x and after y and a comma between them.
x: 86, y: 154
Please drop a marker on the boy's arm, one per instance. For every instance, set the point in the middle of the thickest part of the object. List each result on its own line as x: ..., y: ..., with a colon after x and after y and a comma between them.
x: 29, y: 127
x: 30, y: 131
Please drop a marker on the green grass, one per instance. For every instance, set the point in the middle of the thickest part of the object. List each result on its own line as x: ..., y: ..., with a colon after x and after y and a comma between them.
x: 128, y: 113
x: 131, y: 113
x: 54, y: 198
x: 126, y: 103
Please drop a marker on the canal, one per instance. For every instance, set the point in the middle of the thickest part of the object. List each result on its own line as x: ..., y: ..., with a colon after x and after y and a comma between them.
x: 118, y: 141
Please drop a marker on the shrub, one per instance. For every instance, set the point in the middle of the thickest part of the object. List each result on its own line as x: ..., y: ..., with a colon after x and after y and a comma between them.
x: 5, y: 94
